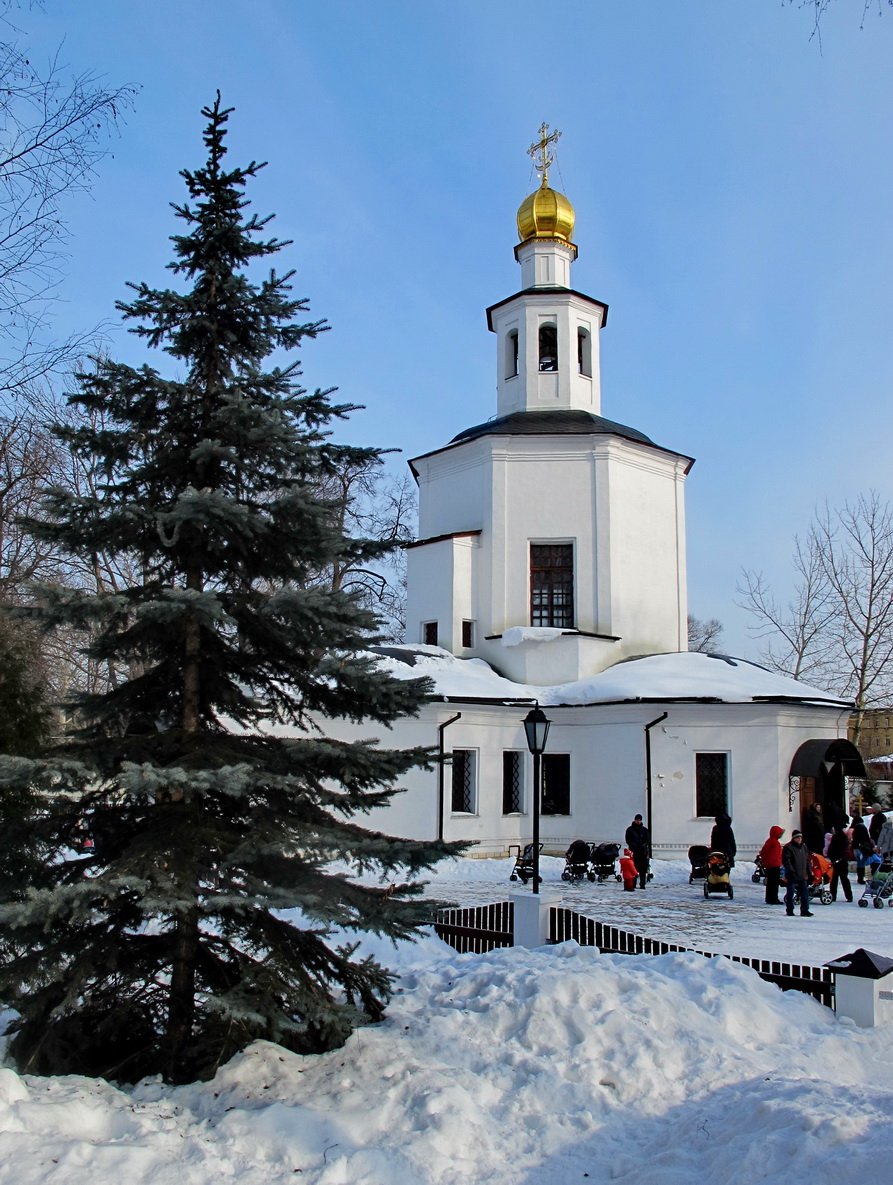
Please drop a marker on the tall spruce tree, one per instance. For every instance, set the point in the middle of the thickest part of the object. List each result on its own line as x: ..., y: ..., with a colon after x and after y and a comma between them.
x: 169, y: 945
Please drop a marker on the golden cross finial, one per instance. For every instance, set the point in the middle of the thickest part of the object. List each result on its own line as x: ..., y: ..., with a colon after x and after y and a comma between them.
x: 541, y: 146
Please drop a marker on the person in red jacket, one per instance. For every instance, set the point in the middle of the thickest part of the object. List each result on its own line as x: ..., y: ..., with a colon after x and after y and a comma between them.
x: 628, y: 871
x: 770, y: 858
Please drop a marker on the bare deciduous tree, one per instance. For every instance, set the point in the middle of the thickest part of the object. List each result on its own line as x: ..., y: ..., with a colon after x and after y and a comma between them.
x: 374, y: 504
x: 837, y: 629
x: 704, y: 635
x: 30, y: 458
x: 53, y: 131
x: 795, y: 633
x: 820, y: 8
x: 856, y: 544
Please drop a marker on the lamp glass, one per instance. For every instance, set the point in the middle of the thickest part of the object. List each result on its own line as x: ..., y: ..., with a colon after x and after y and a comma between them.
x: 536, y: 726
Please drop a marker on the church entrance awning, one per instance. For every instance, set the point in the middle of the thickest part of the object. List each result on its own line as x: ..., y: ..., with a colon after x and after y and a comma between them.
x: 822, y: 773
x: 814, y: 759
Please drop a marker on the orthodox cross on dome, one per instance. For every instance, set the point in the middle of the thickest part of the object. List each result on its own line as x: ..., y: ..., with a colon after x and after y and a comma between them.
x: 541, y: 146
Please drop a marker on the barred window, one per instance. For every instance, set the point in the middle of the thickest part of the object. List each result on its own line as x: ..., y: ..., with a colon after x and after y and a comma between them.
x: 464, y: 790
x: 556, y: 784
x: 552, y: 584
x: 512, y: 784
x: 712, y: 783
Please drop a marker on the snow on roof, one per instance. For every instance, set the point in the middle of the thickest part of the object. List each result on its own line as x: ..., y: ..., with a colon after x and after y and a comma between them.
x: 682, y: 676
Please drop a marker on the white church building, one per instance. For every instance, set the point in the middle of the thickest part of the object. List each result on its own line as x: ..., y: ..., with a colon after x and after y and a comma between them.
x: 550, y: 569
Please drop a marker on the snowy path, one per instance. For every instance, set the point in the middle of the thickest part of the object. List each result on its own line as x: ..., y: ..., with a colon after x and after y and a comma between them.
x: 675, y: 911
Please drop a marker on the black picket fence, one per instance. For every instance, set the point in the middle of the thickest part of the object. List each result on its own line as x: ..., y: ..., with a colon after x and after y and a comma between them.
x: 477, y: 928
x: 483, y: 928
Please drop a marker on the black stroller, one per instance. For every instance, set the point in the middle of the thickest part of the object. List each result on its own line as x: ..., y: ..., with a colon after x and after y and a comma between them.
x: 698, y: 855
x: 523, y: 867
x: 577, y: 862
x: 603, y: 857
x: 759, y: 872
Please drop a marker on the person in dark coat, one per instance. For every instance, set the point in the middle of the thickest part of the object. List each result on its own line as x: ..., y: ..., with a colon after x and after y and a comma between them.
x: 838, y: 854
x: 795, y: 857
x: 639, y: 843
x: 876, y: 822
x: 770, y: 858
x: 814, y: 829
x: 722, y: 838
x: 862, y: 847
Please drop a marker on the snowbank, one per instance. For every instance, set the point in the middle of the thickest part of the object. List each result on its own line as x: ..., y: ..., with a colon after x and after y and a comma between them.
x: 545, y: 1066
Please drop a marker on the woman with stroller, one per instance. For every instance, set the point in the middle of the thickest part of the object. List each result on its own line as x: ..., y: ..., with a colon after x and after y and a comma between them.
x: 638, y: 841
x: 795, y: 857
x: 722, y: 838
x: 838, y: 854
x: 770, y: 858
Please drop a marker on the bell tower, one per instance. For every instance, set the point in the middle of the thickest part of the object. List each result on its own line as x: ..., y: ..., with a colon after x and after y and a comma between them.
x: 551, y: 540
x: 547, y: 333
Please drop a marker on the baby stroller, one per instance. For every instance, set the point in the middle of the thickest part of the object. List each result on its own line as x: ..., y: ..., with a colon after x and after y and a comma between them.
x: 697, y: 858
x: 523, y: 868
x: 718, y: 868
x: 879, y: 886
x: 759, y: 872
x: 603, y: 857
x: 820, y: 870
x: 577, y: 862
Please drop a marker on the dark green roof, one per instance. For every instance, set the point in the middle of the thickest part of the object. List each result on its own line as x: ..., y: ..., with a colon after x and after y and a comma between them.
x: 552, y: 423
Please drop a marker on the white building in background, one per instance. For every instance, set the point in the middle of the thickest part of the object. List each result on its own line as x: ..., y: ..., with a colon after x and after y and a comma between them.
x: 550, y: 568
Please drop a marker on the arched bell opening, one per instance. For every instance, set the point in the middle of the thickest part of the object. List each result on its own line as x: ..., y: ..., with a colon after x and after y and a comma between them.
x: 548, y: 343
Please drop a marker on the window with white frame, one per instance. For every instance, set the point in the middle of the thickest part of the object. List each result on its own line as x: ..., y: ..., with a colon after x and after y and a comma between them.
x: 464, y: 795
x: 552, y: 585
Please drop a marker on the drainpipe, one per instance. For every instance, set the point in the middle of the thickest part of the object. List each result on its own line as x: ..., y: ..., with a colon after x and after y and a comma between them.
x: 441, y: 728
x: 648, y: 728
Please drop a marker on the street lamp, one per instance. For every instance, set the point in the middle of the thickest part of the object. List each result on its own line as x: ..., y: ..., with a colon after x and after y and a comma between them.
x: 536, y: 726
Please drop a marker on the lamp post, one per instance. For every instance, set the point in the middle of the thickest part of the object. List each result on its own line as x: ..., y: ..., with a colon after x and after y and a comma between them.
x: 536, y: 726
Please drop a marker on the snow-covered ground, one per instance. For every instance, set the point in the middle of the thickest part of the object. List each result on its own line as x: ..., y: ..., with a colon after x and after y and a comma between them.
x: 672, y: 909
x: 551, y: 1066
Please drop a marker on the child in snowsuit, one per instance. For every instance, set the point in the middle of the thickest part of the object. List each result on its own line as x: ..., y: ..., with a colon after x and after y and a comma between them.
x: 628, y: 871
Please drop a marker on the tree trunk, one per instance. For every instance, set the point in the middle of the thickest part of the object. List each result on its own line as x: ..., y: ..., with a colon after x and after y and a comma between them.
x: 181, y: 1005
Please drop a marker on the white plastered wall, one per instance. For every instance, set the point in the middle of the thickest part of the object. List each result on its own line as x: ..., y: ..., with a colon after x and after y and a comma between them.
x: 608, y: 770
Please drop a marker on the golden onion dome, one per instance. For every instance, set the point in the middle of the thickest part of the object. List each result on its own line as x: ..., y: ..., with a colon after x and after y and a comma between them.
x: 546, y: 214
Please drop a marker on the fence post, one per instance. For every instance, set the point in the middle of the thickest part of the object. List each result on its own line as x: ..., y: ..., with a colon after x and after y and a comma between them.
x: 531, y: 913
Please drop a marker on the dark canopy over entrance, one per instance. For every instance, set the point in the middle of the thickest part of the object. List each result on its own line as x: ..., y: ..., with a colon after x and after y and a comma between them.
x: 823, y: 769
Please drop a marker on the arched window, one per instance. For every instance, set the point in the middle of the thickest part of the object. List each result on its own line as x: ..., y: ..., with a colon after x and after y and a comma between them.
x: 511, y: 354
x: 584, y: 352
x: 548, y: 347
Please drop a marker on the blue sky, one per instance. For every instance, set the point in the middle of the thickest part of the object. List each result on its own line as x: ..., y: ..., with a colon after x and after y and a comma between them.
x: 732, y: 181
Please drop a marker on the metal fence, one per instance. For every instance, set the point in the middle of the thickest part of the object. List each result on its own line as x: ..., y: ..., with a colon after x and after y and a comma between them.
x: 483, y: 928
x: 477, y: 928
x: 565, y: 923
